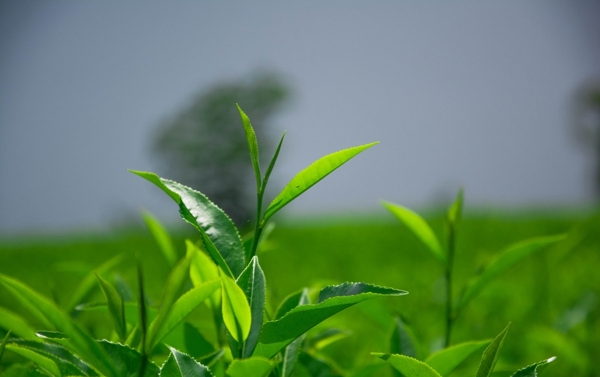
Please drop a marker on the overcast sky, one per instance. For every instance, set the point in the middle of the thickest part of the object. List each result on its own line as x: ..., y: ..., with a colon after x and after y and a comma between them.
x: 459, y: 93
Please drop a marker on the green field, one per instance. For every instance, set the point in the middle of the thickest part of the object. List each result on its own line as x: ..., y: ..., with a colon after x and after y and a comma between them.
x: 550, y: 298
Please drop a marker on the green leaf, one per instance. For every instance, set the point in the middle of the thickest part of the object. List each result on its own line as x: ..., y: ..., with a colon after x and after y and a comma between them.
x: 279, y: 333
x: 185, y: 305
x: 316, y: 366
x: 173, y: 287
x: 508, y: 258
x: 533, y: 369
x: 446, y: 360
x: 202, y: 270
x: 195, y: 343
x: 219, y: 235
x: 162, y: 238
x: 311, y: 175
x: 235, y: 308
x: 3, y: 344
x: 252, y: 367
x: 325, y: 338
x: 89, y: 282
x: 116, y: 308
x: 455, y: 211
x: 402, y: 341
x: 408, y: 366
x: 272, y: 164
x: 181, y: 365
x: 291, y: 352
x: 13, y: 322
x: 490, y: 355
x: 128, y: 361
x: 67, y: 362
x: 52, y: 335
x: 253, y: 283
x: 252, y: 145
x: 417, y: 225
x: 45, y: 363
x: 79, y: 341
x: 292, y: 301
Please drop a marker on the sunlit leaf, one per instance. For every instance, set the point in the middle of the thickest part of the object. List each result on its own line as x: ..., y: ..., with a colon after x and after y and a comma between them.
x: 408, y: 366
x: 181, y: 365
x: 252, y: 145
x: 13, y: 322
x: 446, y: 360
x: 202, y: 270
x: 254, y: 366
x: 253, y: 283
x: 116, y: 308
x: 236, y: 310
x: 490, y: 355
x: 533, y: 369
x: 162, y: 238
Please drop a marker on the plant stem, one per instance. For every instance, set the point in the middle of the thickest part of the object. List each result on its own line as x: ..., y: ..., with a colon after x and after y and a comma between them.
x: 449, y: 303
x: 259, y: 224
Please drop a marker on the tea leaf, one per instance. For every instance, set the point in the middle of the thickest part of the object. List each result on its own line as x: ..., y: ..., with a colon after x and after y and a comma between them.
x: 279, y: 333
x: 455, y: 211
x: 219, y: 235
x: 252, y: 145
x: 252, y: 281
x: 402, y: 341
x: 291, y: 301
x: 235, y: 308
x: 67, y: 362
x: 533, y: 369
x: 254, y: 366
x: 162, y: 238
x: 181, y: 365
x: 490, y: 355
x: 202, y: 270
x: 127, y: 361
x: 3, y: 344
x: 195, y: 343
x: 10, y: 320
x: 408, y: 366
x: 46, y: 363
x: 170, y: 293
x: 446, y: 360
x: 272, y: 164
x: 116, y: 308
x: 290, y: 354
x: 316, y: 366
x: 508, y: 258
x: 419, y: 228
x: 311, y: 175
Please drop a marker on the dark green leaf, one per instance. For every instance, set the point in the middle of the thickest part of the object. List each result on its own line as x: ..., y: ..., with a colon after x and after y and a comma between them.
x: 116, y: 308
x: 53, y: 335
x: 181, y: 365
x: 162, y: 238
x: 252, y: 145
x: 533, y: 369
x: 291, y: 301
x: 311, y: 175
x: 317, y: 367
x: 272, y: 164
x: 290, y: 354
x: 68, y: 363
x: 490, y: 355
x: 402, y: 341
x: 219, y: 235
x: 446, y: 360
x: 508, y: 258
x: 43, y: 362
x: 281, y: 332
x: 195, y: 343
x: 3, y: 344
x: 254, y: 366
x: 252, y: 281
x: 408, y: 366
x: 418, y: 226
x: 236, y: 310
x: 127, y: 361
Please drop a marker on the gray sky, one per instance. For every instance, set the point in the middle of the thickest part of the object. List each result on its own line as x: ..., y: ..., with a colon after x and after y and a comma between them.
x: 459, y: 93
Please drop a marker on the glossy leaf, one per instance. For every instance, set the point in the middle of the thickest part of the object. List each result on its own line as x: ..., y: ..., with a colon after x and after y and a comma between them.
x: 43, y: 362
x: 252, y: 145
x: 127, y: 361
x: 272, y: 163
x: 181, y: 365
x: 253, y: 283
x: 402, y: 341
x: 67, y: 362
x: 116, y: 308
x: 162, y: 238
x: 419, y: 227
x: 446, y: 360
x: 13, y: 322
x: 508, y: 258
x: 311, y: 175
x: 254, y: 366
x: 279, y: 333
x: 291, y: 352
x: 235, y: 308
x: 47, y: 311
x: 533, y: 369
x: 171, y: 291
x: 185, y: 305
x: 218, y: 232
x: 408, y: 366
x: 490, y: 355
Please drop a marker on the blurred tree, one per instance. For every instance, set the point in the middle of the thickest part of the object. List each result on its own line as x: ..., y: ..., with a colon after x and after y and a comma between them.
x: 204, y: 145
x: 586, y: 123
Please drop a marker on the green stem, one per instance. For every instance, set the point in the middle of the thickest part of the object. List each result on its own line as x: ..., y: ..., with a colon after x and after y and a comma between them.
x: 449, y: 303
x: 259, y: 224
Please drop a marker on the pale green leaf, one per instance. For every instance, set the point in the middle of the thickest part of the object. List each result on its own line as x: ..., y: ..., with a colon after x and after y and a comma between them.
x: 253, y: 283
x: 534, y: 369
x: 279, y: 333
x: 311, y: 175
x: 116, y: 308
x: 252, y: 145
x: 508, y: 258
x: 252, y: 367
x: 13, y: 322
x: 490, y: 355
x: 43, y: 362
x: 202, y: 270
x: 408, y: 366
x: 162, y: 238
x: 417, y: 225
x: 446, y: 360
x: 219, y: 235
x: 181, y: 365
x: 236, y: 310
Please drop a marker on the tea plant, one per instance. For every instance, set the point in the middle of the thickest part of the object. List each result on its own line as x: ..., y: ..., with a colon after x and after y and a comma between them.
x: 225, y: 274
